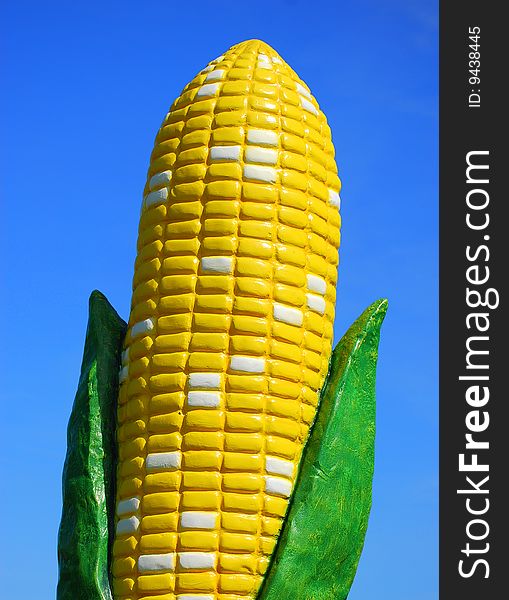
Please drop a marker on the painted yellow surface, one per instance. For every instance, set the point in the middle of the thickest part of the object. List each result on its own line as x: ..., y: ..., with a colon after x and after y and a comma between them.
x: 230, y: 329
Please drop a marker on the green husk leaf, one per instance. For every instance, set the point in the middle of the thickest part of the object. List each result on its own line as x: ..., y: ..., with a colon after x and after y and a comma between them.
x: 322, y: 537
x: 86, y: 527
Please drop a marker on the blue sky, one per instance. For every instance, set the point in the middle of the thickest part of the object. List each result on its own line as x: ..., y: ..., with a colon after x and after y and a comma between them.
x: 86, y: 87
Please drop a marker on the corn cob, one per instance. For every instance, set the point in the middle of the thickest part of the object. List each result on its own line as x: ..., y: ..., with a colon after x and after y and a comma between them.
x: 230, y: 329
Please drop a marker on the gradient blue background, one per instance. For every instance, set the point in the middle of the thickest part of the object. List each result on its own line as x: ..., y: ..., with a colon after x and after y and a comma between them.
x: 86, y: 86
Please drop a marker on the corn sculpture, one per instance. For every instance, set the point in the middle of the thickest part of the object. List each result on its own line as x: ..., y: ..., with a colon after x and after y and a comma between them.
x: 226, y: 351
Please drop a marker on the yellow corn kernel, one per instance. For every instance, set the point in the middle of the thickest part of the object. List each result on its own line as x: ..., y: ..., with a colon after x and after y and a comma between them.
x: 170, y: 442
x: 237, y: 563
x: 158, y: 542
x: 156, y: 523
x: 161, y: 502
x: 155, y: 583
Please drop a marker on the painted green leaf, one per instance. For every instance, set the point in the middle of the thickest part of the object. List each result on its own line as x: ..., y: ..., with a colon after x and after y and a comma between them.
x: 322, y: 538
x: 86, y: 526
